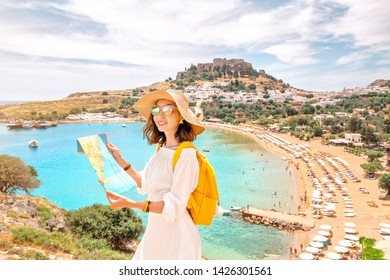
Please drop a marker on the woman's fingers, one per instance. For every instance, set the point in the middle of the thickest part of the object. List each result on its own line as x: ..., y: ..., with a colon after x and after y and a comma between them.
x: 111, y: 195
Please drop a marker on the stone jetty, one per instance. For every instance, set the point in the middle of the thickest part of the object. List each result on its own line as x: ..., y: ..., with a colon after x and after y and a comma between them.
x: 280, y: 220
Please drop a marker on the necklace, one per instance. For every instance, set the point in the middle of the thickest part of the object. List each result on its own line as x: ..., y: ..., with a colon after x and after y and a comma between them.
x: 171, y: 147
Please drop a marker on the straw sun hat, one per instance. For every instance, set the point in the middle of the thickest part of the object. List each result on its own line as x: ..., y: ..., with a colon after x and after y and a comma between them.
x: 144, y: 106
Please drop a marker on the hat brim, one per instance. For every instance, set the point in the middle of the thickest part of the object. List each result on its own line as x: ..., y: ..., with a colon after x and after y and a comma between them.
x: 144, y: 107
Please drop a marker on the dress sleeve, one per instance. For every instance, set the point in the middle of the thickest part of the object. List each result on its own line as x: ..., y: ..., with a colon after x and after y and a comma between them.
x: 185, y: 179
x: 142, y: 190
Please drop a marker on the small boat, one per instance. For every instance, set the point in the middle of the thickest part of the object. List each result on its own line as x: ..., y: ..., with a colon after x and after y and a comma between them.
x: 206, y: 150
x: 221, y: 212
x: 15, y: 125
x: 41, y: 124
x: 235, y: 208
x: 27, y: 125
x: 33, y: 143
x: 123, y: 125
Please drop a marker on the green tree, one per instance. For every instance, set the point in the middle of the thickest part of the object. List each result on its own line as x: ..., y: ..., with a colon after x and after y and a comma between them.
x: 335, y: 129
x: 318, y: 130
x: 308, y: 109
x: 290, y: 111
x: 374, y: 155
x: 354, y: 124
x: 384, y: 182
x: 368, y: 250
x: 372, y: 167
x: 15, y: 175
x: 386, y: 128
x: 369, y: 135
x: 252, y: 87
x: 101, y: 221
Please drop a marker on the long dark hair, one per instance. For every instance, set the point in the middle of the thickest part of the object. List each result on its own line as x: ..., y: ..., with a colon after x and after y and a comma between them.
x: 184, y: 132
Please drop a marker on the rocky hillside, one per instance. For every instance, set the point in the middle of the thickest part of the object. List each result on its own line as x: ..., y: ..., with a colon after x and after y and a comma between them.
x: 36, y: 213
x: 380, y: 83
x: 32, y: 228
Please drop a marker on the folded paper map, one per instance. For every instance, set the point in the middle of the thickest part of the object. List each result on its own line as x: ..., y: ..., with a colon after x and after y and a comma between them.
x: 110, y: 174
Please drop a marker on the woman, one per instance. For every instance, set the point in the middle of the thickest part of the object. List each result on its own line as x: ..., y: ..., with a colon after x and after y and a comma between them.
x: 170, y: 232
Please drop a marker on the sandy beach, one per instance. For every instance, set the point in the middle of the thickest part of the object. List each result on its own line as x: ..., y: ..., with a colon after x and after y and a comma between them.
x: 355, y: 200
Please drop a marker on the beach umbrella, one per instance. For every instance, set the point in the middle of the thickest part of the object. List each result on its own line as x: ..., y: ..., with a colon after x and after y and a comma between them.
x: 333, y: 256
x: 384, y: 231
x: 350, y: 230
x: 350, y: 224
x: 306, y: 256
x: 328, y: 195
x: 326, y: 227
x: 346, y: 243
x: 384, y: 225
x: 351, y: 237
x: 320, y: 238
x: 323, y: 232
x: 352, y: 214
x: 341, y: 249
x: 316, y: 244
x: 316, y: 206
x: 330, y: 204
x: 313, y: 250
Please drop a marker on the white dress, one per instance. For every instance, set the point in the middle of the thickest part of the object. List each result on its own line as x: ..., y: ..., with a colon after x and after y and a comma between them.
x: 171, y: 235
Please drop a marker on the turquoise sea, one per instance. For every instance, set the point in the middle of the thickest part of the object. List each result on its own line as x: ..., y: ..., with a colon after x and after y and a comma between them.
x: 246, y: 175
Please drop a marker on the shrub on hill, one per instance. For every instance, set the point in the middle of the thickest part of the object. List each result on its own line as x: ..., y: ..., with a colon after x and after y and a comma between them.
x: 98, y: 221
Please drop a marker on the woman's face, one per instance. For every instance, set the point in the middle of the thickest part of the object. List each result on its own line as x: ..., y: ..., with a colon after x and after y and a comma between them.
x: 166, y: 116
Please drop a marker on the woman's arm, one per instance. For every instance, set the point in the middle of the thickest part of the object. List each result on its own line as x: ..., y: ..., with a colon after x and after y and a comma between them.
x: 136, y: 176
x: 118, y: 201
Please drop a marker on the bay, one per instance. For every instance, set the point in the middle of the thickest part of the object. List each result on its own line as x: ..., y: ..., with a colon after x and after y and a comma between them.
x: 247, y: 175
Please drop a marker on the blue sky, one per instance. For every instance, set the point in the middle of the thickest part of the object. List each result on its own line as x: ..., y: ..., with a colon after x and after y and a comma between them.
x: 52, y: 48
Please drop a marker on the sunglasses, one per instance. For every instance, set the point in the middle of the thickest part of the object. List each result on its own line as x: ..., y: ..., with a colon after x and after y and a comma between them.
x: 166, y: 110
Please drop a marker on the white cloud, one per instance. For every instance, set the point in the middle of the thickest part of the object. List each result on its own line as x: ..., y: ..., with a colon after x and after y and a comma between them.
x: 294, y: 53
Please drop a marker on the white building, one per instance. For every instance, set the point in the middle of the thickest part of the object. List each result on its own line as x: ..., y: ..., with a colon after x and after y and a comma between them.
x: 353, y: 137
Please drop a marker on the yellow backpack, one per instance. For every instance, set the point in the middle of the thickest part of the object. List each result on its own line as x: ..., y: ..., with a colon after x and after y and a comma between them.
x: 203, y: 200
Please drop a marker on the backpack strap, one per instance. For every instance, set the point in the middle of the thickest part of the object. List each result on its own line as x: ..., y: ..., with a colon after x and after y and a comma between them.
x: 184, y: 145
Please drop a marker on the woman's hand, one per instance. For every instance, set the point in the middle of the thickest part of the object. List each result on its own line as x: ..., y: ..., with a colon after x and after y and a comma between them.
x: 116, y: 155
x: 119, y: 201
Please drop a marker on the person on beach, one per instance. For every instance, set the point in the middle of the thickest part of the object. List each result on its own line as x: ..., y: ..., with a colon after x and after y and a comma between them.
x: 170, y: 232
